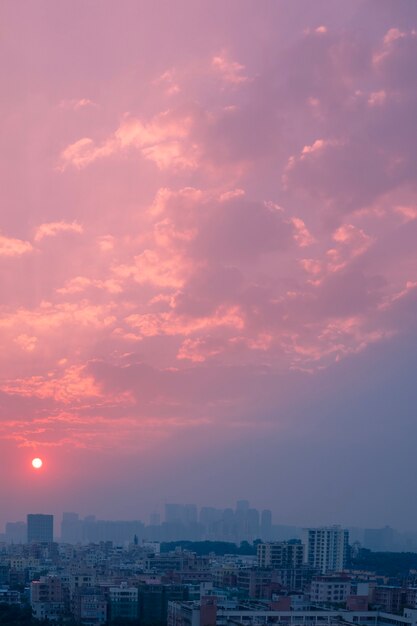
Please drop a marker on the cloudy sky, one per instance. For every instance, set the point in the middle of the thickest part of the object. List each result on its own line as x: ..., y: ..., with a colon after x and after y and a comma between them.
x: 208, y: 257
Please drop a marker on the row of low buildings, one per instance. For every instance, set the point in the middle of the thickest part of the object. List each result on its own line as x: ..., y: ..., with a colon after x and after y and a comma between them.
x: 210, y: 611
x: 301, y: 582
x: 90, y: 601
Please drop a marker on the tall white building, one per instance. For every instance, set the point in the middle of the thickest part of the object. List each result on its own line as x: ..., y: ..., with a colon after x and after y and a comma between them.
x: 326, y: 548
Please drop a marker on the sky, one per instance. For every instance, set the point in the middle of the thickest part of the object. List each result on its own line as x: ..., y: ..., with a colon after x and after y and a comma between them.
x: 208, y: 258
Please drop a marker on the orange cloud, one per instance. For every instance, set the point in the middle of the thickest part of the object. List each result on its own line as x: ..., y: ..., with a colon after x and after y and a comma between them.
x: 302, y: 235
x: 73, y: 386
x: 51, y: 229
x: 162, y: 140
x: 11, y: 247
x: 230, y: 71
x: 408, y: 213
x: 170, y: 323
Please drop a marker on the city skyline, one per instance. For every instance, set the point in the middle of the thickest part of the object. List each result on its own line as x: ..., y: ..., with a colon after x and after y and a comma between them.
x: 157, y: 516
x: 208, y: 258
x: 188, y: 522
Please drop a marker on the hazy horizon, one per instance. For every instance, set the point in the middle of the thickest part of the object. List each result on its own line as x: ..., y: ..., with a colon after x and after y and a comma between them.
x: 144, y: 516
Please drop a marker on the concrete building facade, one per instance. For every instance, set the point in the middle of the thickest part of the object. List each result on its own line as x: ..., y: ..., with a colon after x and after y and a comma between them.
x: 326, y: 548
x: 280, y: 554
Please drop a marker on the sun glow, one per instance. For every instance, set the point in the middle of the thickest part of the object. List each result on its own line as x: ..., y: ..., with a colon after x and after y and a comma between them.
x: 37, y: 463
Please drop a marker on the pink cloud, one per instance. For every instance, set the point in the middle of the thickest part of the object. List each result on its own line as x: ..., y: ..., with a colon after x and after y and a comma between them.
x: 377, y: 98
x: 407, y: 213
x: 10, y: 247
x: 51, y: 229
x: 352, y: 243
x: 77, y: 104
x: 167, y: 79
x: 170, y: 323
x: 26, y: 342
x: 243, y: 216
x: 71, y: 386
x: 152, y: 266
x: 162, y: 140
x: 302, y: 235
x: 230, y: 71
x: 80, y: 284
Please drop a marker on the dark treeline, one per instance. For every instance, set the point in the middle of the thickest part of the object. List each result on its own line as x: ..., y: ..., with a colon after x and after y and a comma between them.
x: 14, y: 615
x: 205, y: 547
x: 385, y: 563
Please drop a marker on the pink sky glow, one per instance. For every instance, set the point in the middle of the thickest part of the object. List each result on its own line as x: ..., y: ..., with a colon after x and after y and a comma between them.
x: 208, y: 227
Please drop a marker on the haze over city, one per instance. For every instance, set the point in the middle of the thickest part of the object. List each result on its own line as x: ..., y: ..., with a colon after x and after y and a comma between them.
x: 208, y: 258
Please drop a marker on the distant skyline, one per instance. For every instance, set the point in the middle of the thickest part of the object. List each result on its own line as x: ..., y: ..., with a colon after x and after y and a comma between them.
x: 208, y: 258
x: 147, y: 517
x: 267, y: 527
x: 187, y: 522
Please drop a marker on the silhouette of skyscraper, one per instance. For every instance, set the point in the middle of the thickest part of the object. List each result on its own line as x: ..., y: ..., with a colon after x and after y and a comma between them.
x: 40, y: 528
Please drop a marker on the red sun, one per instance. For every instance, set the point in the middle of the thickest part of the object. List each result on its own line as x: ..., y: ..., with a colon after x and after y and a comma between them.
x: 37, y: 463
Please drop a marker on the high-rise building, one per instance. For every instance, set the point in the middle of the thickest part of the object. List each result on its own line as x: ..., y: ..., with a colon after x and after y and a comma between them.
x: 180, y: 513
x: 40, y: 528
x: 16, y: 532
x: 379, y: 539
x: 210, y: 515
x: 326, y: 548
x: 155, y: 519
x: 71, y: 528
x: 266, y: 524
x: 246, y: 521
x: 252, y: 523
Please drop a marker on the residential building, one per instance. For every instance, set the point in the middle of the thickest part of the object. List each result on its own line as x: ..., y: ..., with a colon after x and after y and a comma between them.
x: 327, y: 590
x: 153, y: 601
x: 123, y: 602
x: 47, y: 598
x: 9, y: 596
x: 326, y: 548
x: 254, y: 582
x: 390, y: 598
x: 280, y: 554
x: 90, y: 606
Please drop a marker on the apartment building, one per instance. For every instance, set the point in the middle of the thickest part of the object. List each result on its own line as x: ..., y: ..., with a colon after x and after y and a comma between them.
x: 280, y: 554
x: 329, y: 590
x: 326, y: 548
